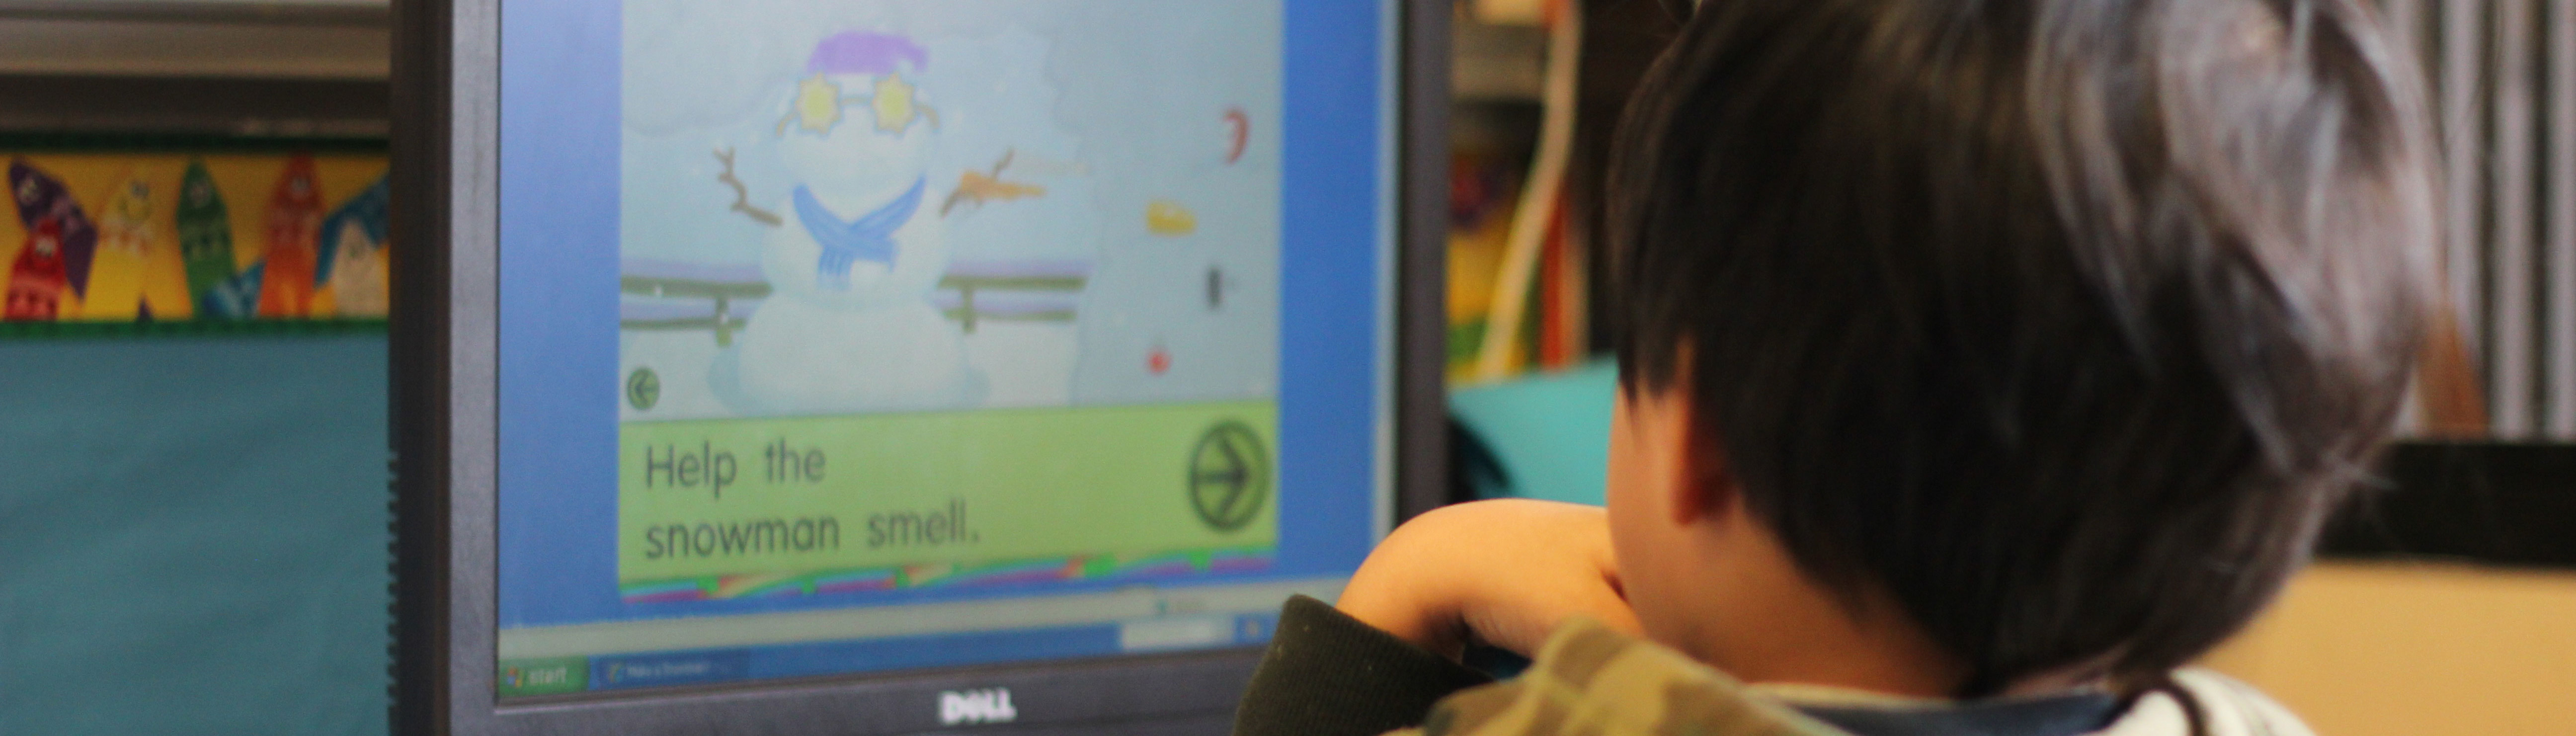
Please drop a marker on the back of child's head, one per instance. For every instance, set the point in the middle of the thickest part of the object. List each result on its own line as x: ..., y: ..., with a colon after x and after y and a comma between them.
x: 2062, y: 323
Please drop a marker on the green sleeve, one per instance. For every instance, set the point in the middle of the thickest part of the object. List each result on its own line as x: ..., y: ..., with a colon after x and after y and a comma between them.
x: 1328, y: 674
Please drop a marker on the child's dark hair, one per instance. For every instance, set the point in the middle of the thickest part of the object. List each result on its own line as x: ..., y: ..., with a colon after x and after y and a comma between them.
x: 2064, y: 323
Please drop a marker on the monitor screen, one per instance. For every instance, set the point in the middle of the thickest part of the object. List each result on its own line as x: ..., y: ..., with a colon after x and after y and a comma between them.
x: 857, y: 337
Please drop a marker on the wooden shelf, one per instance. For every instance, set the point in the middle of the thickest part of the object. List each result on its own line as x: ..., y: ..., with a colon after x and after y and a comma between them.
x: 313, y: 39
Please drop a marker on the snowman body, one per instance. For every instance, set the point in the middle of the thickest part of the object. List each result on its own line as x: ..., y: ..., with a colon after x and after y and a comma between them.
x: 849, y: 325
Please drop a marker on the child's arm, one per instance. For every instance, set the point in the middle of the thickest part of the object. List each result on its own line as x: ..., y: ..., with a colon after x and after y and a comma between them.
x: 1328, y: 674
x: 1502, y: 572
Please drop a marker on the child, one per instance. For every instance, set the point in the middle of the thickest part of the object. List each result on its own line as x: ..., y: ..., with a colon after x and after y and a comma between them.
x: 1985, y: 361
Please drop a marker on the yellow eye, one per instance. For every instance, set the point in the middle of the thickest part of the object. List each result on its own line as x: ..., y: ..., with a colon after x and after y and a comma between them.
x: 894, y: 104
x: 818, y: 104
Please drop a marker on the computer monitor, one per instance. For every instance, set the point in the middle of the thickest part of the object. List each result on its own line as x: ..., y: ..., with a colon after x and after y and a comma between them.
x: 891, y: 366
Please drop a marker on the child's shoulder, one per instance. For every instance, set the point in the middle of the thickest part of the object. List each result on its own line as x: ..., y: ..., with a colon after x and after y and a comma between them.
x: 1591, y: 680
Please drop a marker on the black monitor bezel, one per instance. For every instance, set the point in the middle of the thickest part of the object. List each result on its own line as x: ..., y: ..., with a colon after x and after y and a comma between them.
x: 446, y: 106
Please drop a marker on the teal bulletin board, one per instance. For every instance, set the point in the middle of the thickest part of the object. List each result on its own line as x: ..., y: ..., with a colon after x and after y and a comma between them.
x: 193, y: 534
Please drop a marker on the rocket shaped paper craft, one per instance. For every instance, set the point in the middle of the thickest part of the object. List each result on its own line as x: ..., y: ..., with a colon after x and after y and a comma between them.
x: 353, y: 251
x: 40, y: 196
x: 131, y: 259
x: 206, y: 246
x: 37, y: 280
x: 205, y: 232
x: 233, y: 298
x: 126, y: 223
x: 294, y: 239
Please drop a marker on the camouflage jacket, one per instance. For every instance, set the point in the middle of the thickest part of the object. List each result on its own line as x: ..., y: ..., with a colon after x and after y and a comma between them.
x: 1328, y: 674
x: 1590, y: 681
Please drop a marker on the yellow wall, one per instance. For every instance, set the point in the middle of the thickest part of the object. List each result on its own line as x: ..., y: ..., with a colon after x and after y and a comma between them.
x: 119, y: 281
x: 2372, y: 649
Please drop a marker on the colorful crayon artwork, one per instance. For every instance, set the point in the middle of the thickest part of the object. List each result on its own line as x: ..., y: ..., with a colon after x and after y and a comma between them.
x: 165, y: 237
x: 129, y: 238
x: 294, y: 242
x: 205, y: 231
x: 38, y: 279
x: 353, y: 251
x: 41, y: 197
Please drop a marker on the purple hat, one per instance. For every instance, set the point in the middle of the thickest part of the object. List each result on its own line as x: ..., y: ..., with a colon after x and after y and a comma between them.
x: 863, y: 52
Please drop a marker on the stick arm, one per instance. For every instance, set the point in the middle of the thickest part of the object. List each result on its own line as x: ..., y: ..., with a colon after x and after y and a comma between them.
x: 742, y: 194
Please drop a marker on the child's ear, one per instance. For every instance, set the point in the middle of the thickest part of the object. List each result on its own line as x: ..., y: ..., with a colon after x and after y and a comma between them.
x: 1707, y: 490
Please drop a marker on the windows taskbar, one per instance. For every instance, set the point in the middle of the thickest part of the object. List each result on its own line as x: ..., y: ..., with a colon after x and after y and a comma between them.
x: 623, y: 655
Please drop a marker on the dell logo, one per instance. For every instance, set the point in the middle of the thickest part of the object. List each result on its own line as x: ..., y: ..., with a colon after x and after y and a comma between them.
x: 989, y: 705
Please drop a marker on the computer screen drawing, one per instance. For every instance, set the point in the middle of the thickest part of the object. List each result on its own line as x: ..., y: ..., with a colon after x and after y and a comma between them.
x: 900, y: 228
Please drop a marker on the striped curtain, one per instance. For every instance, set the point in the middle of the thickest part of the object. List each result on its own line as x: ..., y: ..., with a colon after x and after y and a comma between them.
x: 2503, y: 79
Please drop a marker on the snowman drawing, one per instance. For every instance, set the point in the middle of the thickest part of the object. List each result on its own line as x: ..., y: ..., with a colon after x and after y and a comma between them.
x: 857, y: 249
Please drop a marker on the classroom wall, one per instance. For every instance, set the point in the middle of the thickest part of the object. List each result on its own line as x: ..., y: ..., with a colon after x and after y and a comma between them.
x: 193, y: 535
x: 2407, y: 649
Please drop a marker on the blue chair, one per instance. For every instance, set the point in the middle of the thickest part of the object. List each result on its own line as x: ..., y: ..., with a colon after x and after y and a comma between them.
x: 1546, y: 436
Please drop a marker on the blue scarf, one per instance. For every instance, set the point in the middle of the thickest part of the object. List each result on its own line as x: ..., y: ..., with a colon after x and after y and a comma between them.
x: 869, y: 237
